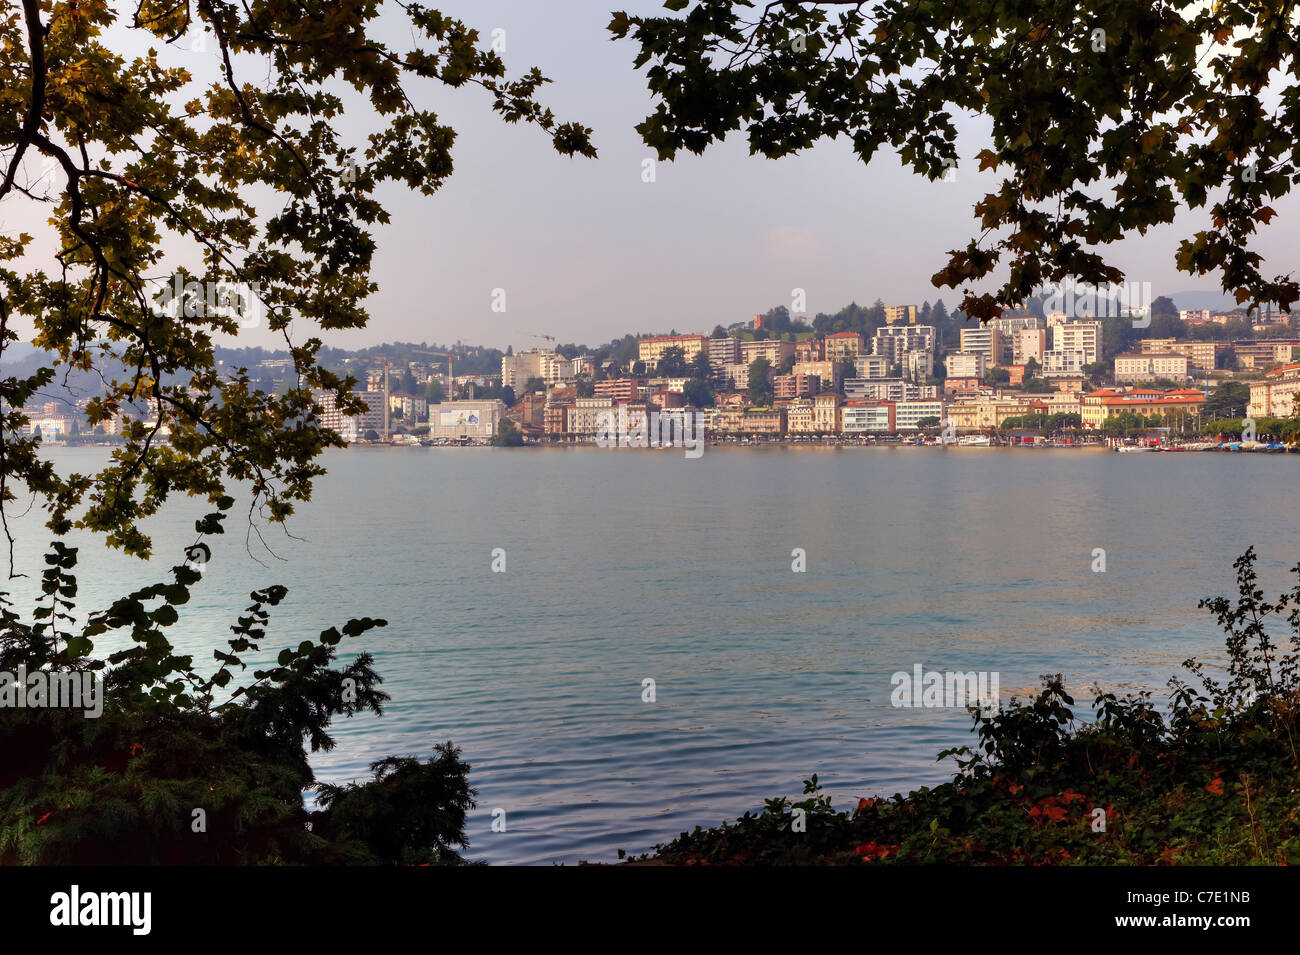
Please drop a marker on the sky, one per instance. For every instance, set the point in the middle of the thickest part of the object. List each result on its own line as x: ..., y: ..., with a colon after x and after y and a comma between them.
x: 586, y: 251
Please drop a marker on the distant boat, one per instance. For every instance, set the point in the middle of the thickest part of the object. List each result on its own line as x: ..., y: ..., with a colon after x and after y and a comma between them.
x: 974, y: 441
x: 1130, y: 448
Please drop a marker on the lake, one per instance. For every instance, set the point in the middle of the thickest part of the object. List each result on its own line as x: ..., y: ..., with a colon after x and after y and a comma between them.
x: 625, y: 565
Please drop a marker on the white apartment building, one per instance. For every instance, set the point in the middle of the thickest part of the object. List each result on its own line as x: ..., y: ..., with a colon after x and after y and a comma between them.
x: 964, y: 364
x: 893, y: 342
x: 887, y: 389
x: 871, y: 366
x: 584, y: 416
x: 983, y: 340
x: 909, y: 414
x: 1056, y: 363
x: 1079, y: 336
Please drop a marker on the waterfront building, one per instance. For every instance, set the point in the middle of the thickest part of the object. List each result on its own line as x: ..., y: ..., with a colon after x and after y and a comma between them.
x: 764, y: 421
x: 909, y: 414
x: 1107, y: 402
x: 585, y: 415
x: 800, y: 417
x: 826, y: 413
x: 1275, y: 396
x: 477, y: 419
x: 1029, y: 343
x: 859, y: 417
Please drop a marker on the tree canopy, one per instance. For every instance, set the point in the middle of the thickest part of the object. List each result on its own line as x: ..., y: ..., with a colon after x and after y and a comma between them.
x: 1107, y: 117
x: 183, y: 209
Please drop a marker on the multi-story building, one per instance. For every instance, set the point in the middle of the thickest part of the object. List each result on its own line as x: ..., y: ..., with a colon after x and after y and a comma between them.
x: 919, y: 365
x: 887, y: 389
x: 989, y: 411
x: 893, y: 342
x: 774, y: 351
x: 799, y: 417
x: 1009, y: 329
x: 651, y: 350
x: 827, y: 372
x: 620, y: 389
x: 1138, y: 368
x: 411, y: 408
x: 736, y: 375
x: 900, y: 314
x: 555, y: 420
x: 964, y: 364
x: 350, y: 427
x: 585, y: 415
x: 982, y: 340
x: 726, y: 420
x: 859, y: 417
x: 1266, y: 354
x: 810, y: 349
x: 1204, y: 356
x: 826, y: 413
x: 516, y: 370
x: 1108, y: 402
x: 1079, y: 336
x: 475, y: 420
x: 1029, y: 343
x: 1196, y: 315
x: 909, y: 414
x: 764, y: 421
x: 871, y: 366
x: 1275, y: 396
x: 1064, y: 363
x: 843, y: 346
x: 723, y: 351
x: 795, y: 386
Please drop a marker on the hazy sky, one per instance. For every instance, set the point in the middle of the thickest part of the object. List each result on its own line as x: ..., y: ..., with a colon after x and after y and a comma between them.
x: 587, y: 251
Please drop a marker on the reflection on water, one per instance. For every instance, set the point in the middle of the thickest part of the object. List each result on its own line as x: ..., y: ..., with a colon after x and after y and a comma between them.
x: 626, y: 565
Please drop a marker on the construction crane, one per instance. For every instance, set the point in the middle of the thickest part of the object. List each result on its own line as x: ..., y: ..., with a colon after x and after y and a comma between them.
x: 451, y: 380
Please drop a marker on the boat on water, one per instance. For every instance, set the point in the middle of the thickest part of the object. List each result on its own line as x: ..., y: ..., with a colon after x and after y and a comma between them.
x: 973, y: 441
x: 1131, y: 448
